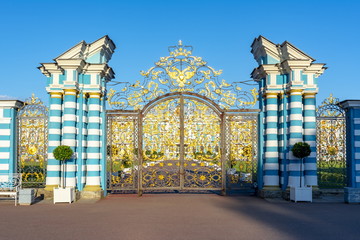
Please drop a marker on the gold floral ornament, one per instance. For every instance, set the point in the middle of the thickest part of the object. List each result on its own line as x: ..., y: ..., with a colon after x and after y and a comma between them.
x: 330, y: 108
x: 181, y: 72
x: 32, y: 150
x: 332, y: 150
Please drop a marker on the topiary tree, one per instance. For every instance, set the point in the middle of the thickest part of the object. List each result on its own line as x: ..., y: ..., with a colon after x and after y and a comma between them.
x: 301, y: 150
x: 63, y: 153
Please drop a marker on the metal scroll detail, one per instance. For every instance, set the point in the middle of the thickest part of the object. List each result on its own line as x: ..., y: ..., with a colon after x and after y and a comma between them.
x: 161, y: 146
x: 181, y: 72
x: 331, y: 144
x: 181, y: 146
x: 202, y: 138
x: 122, y: 152
x: 32, y: 142
x: 241, y: 154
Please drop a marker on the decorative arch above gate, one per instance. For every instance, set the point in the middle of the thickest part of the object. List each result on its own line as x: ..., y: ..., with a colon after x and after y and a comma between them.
x: 181, y: 128
x: 181, y: 72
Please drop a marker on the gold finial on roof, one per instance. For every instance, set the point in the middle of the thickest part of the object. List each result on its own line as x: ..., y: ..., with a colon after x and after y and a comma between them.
x: 180, y: 43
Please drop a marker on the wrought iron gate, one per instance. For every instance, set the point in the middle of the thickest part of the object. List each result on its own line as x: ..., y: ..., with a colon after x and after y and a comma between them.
x: 331, y: 144
x: 32, y: 142
x: 241, y: 150
x: 181, y: 143
x: 181, y: 133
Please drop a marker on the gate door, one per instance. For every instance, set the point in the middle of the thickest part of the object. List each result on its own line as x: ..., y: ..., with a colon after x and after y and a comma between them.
x: 32, y: 123
x: 181, y: 146
x: 331, y: 144
x: 122, y: 151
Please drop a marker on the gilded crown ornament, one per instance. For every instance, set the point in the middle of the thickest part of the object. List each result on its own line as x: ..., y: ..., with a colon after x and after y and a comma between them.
x: 181, y: 72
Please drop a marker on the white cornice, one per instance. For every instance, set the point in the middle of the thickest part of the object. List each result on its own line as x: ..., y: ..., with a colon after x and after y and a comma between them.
x: 350, y: 104
x: 289, y: 51
x: 103, y: 69
x: 50, y: 68
x: 11, y: 104
x: 316, y: 68
x: 262, y: 47
x: 71, y: 63
x: 292, y: 64
x: 75, y: 57
x: 76, y: 51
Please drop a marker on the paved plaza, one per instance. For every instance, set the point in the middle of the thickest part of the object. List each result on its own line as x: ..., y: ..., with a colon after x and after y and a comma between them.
x: 180, y: 216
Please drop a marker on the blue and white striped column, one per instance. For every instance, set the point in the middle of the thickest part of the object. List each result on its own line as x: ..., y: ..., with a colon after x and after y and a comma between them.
x: 6, y: 132
x: 271, y: 160
x: 93, y: 143
x: 356, y: 148
x: 82, y: 139
x: 54, y: 140
x: 310, y: 138
x: 295, y: 135
x: 283, y: 140
x: 69, y: 134
x: 8, y: 156
x: 352, y: 112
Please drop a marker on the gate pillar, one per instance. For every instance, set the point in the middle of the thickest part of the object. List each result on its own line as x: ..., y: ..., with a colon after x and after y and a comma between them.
x: 8, y: 112
x: 289, y: 72
x: 352, y: 110
x: 76, y: 83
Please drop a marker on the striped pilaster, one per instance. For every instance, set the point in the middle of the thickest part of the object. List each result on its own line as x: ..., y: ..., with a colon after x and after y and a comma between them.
x: 6, y: 132
x: 69, y: 134
x: 295, y: 134
x: 356, y: 147
x: 103, y: 144
x: 283, y: 140
x: 82, y: 137
x: 352, y: 111
x: 271, y: 155
x: 54, y: 140
x: 93, y: 143
x: 310, y: 138
x: 261, y: 139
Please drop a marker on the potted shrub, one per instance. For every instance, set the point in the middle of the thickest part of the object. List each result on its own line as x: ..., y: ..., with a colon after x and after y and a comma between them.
x: 62, y: 193
x: 301, y: 150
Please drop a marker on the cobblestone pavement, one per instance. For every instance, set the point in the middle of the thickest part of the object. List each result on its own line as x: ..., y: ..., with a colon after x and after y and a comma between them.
x: 180, y: 216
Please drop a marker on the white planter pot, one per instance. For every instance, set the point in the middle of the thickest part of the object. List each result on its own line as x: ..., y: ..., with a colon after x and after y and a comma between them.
x: 64, y: 194
x: 303, y: 194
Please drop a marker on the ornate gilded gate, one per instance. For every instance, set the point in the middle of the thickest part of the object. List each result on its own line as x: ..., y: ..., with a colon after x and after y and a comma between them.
x: 32, y: 142
x: 181, y: 133
x: 331, y: 144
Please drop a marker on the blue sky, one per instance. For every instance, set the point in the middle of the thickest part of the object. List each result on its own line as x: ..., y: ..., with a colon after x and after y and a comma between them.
x: 221, y: 32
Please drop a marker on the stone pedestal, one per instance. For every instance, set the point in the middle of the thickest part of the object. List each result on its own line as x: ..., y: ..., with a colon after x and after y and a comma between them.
x: 270, y: 192
x: 26, y: 196
x: 301, y: 194
x: 352, y: 195
x: 91, y: 194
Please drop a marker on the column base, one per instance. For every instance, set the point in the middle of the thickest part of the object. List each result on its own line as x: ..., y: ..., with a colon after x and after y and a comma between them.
x: 270, y: 192
x: 92, y: 192
x: 50, y: 187
x: 49, y: 191
x: 351, y: 195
